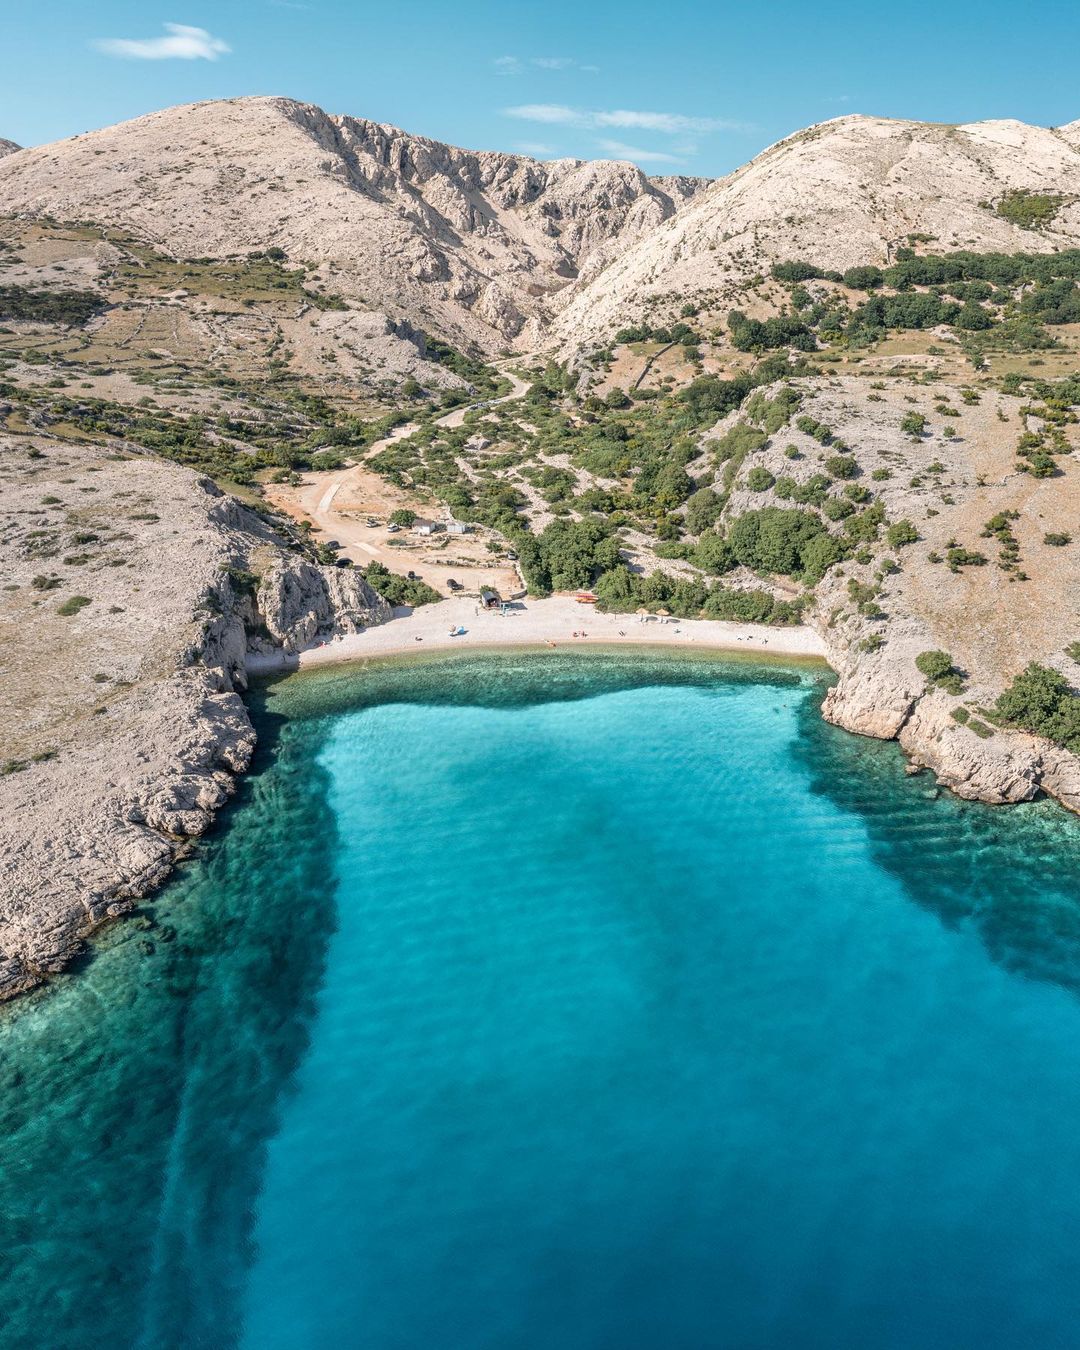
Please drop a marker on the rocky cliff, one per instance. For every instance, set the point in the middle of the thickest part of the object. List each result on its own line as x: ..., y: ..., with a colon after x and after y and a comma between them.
x: 890, y: 602
x: 133, y: 591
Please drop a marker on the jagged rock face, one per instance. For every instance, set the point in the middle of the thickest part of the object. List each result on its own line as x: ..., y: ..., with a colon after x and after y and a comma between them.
x: 124, y: 721
x: 8, y: 147
x: 465, y: 244
x: 839, y: 194
x: 300, y: 602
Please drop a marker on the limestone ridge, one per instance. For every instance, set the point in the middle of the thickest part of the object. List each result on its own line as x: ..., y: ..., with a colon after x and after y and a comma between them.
x: 471, y: 245
x: 138, y: 743
x: 8, y: 147
x: 839, y: 194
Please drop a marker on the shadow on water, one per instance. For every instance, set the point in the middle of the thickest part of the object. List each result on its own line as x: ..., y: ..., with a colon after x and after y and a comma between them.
x: 1009, y: 874
x: 136, y: 1099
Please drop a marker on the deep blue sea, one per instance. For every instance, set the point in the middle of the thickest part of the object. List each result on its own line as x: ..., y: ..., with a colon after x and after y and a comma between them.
x: 563, y: 1002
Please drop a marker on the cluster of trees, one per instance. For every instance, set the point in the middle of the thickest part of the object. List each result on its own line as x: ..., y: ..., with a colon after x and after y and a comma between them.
x: 74, y: 308
x: 620, y: 591
x: 567, y: 555
x: 972, y: 292
x: 1008, y: 270
x: 678, y: 332
x: 399, y: 590
x: 1041, y: 700
x: 785, y: 330
x: 785, y: 542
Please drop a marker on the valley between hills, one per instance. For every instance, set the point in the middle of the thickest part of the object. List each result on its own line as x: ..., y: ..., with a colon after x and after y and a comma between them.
x: 247, y: 348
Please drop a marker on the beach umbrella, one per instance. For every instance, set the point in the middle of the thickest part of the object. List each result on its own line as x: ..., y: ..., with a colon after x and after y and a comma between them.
x: 644, y: 610
x: 664, y: 613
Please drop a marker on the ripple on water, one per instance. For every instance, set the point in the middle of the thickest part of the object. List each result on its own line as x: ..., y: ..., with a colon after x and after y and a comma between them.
x: 533, y: 1000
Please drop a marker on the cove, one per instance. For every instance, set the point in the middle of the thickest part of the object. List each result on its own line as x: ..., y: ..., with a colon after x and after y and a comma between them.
x: 577, y: 1000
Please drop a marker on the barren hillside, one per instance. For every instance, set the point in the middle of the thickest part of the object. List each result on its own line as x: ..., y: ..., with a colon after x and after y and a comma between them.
x: 840, y: 194
x: 464, y: 244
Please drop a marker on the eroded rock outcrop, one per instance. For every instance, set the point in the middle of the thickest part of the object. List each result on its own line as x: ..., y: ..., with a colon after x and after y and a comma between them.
x: 122, y: 668
x: 299, y: 602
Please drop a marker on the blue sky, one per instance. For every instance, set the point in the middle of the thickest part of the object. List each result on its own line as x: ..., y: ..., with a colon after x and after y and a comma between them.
x: 688, y: 87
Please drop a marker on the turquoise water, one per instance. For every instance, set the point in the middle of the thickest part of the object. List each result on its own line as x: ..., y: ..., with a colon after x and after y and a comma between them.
x: 581, y: 1001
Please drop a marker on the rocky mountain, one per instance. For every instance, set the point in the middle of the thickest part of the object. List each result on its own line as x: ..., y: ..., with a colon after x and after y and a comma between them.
x: 8, y: 147
x: 469, y: 245
x: 841, y: 194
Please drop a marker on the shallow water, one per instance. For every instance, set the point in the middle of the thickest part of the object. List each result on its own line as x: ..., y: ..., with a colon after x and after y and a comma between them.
x: 552, y: 1000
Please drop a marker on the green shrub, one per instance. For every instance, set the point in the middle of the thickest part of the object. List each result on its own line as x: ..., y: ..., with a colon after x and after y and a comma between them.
x: 403, y: 517
x: 913, y: 424
x: 961, y: 714
x: 938, y: 668
x: 759, y: 479
x: 73, y: 605
x: 1057, y: 540
x: 703, y: 510
x: 1041, y: 700
x: 740, y: 440
x: 1030, y: 210
x: 901, y: 532
x: 841, y: 466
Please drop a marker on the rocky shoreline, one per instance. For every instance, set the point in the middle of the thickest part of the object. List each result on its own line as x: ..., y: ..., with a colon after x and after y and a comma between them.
x: 103, y: 788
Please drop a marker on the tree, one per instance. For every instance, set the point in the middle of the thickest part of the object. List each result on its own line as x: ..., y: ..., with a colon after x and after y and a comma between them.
x: 403, y: 517
x: 759, y: 479
x: 1041, y: 700
x: 703, y: 510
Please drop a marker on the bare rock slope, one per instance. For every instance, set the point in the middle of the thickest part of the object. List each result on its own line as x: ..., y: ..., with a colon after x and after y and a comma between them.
x: 8, y: 147
x: 840, y: 194
x: 130, y: 589
x: 467, y: 244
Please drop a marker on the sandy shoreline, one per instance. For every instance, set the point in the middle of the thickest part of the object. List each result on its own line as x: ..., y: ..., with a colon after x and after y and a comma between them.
x: 543, y: 623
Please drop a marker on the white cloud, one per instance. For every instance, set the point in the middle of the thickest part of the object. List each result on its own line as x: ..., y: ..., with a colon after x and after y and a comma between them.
x: 620, y: 150
x: 183, y: 43
x: 554, y: 114
x: 670, y: 124
x: 515, y: 65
